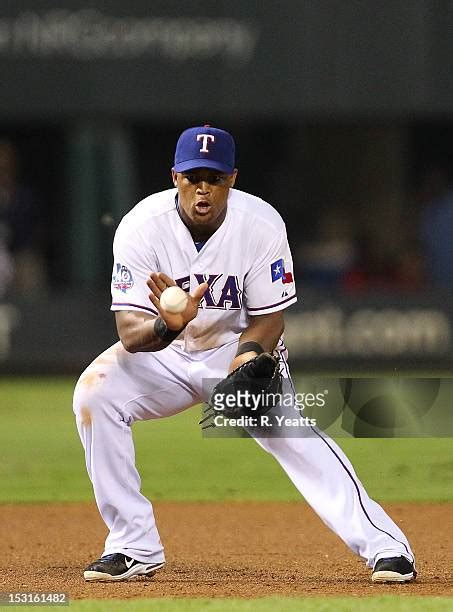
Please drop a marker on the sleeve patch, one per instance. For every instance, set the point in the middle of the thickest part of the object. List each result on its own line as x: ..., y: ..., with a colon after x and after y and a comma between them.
x: 278, y: 271
x: 122, y: 279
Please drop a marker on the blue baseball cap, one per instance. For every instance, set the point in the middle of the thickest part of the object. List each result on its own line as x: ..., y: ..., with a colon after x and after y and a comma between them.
x: 205, y: 147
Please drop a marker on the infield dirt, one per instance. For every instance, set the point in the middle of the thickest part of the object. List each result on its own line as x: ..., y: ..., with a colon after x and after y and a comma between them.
x: 240, y: 549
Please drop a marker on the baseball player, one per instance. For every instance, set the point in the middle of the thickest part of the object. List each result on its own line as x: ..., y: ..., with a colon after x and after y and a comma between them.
x: 229, y: 251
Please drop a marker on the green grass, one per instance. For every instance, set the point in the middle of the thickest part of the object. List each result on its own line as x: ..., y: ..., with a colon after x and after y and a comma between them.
x: 42, y: 457
x: 269, y: 604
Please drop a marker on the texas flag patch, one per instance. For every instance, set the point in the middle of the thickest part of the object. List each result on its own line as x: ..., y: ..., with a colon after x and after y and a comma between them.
x: 278, y: 271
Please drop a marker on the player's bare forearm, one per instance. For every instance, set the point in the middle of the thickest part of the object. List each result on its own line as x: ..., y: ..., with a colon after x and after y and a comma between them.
x: 136, y: 332
x: 263, y: 329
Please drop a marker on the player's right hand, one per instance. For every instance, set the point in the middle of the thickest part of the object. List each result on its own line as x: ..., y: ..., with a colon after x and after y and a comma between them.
x: 158, y: 282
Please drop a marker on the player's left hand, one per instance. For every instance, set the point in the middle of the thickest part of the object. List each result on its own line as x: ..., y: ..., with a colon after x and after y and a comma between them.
x: 158, y: 282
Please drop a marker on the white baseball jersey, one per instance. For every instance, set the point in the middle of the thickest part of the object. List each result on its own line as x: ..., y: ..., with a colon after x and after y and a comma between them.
x: 246, y: 262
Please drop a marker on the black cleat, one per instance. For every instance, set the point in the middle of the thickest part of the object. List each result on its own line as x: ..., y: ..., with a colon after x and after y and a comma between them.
x: 394, y: 569
x: 118, y: 567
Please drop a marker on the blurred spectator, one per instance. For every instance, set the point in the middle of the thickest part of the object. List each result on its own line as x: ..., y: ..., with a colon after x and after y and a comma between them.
x: 388, y: 255
x: 20, y: 226
x: 381, y: 269
x: 436, y: 226
x: 6, y: 269
x: 322, y: 262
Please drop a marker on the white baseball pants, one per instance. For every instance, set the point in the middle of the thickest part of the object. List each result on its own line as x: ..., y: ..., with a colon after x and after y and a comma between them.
x: 119, y: 388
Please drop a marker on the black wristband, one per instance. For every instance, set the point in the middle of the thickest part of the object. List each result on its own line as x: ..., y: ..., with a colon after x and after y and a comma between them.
x: 245, y: 347
x: 161, y: 330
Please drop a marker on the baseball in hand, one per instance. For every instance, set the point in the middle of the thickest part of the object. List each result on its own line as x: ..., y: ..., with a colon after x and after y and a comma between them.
x: 173, y: 300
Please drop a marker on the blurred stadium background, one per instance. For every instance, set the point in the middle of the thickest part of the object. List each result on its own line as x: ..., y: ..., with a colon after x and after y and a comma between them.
x: 343, y: 117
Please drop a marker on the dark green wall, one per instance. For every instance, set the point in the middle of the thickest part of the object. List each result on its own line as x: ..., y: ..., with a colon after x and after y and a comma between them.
x: 241, y: 57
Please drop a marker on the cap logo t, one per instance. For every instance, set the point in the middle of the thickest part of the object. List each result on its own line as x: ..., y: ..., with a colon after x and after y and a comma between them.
x: 206, y: 138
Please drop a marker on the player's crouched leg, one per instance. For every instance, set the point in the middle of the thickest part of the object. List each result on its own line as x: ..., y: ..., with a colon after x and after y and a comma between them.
x: 133, y: 545
x: 325, y: 477
x: 97, y: 406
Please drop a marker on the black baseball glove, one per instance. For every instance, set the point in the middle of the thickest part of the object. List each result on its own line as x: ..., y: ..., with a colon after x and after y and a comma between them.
x: 251, y: 389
